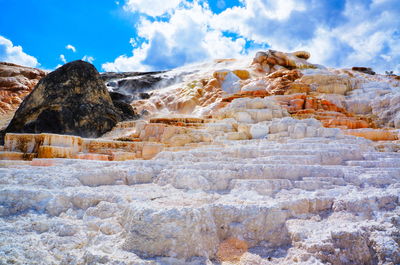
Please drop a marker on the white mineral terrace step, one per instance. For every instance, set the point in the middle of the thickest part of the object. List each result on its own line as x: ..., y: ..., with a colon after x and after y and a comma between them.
x: 28, y: 143
x: 12, y: 163
x: 379, y: 163
x: 45, y: 145
x: 274, y: 196
x: 377, y: 155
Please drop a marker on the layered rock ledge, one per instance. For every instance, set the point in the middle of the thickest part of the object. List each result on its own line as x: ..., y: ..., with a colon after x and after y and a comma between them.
x: 16, y: 82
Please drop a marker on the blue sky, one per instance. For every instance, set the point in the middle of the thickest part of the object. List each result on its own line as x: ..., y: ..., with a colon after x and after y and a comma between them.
x: 142, y: 35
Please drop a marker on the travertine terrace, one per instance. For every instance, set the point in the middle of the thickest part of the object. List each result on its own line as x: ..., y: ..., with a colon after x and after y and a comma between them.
x: 272, y: 160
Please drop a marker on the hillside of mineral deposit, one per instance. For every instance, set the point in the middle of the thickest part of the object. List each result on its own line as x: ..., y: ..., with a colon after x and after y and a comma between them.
x: 263, y: 160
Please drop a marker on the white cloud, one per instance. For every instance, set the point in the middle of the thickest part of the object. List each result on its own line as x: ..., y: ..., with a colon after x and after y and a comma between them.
x: 133, y: 63
x: 62, y: 58
x: 15, y: 54
x: 186, y: 37
x: 87, y: 58
x: 282, y: 24
x: 339, y: 33
x: 70, y: 47
x: 374, y: 39
x: 151, y: 7
x: 133, y: 42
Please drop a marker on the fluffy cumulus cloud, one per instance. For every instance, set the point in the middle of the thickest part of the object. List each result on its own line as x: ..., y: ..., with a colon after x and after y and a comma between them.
x: 339, y: 33
x: 15, y: 54
x: 70, y: 47
x: 87, y: 58
x: 184, y: 36
x: 151, y: 7
x: 62, y: 58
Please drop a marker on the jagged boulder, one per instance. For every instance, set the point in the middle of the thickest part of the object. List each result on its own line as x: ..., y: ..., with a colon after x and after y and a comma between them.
x: 71, y: 100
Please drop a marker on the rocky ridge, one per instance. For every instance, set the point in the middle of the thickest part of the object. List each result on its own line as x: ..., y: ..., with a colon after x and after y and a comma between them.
x: 16, y: 82
x: 269, y: 161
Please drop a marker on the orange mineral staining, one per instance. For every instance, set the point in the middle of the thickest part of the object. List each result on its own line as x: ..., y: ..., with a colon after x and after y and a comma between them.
x: 303, y: 106
x: 29, y: 146
x: 183, y: 100
x: 231, y: 250
x: 16, y: 82
x: 375, y: 134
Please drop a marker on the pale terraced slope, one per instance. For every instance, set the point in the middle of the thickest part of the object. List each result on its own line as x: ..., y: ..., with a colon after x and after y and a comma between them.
x: 317, y: 200
x: 244, y: 166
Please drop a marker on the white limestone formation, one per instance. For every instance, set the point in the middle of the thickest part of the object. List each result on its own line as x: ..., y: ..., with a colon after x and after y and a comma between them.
x: 278, y: 196
x: 244, y: 179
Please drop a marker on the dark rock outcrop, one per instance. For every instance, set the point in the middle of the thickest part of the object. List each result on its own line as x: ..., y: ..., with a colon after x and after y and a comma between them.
x: 365, y: 70
x: 121, y: 101
x: 144, y: 95
x: 71, y: 100
x: 107, y: 76
x: 138, y: 85
x: 131, y: 84
x: 127, y: 112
